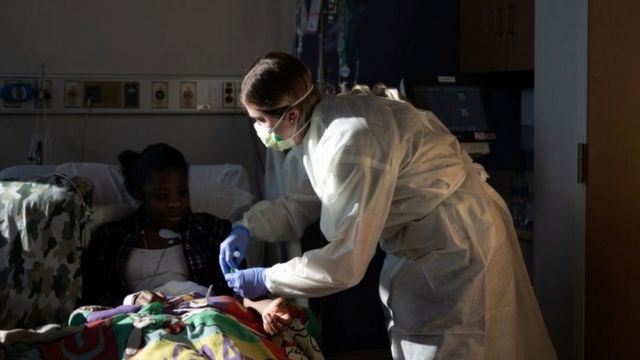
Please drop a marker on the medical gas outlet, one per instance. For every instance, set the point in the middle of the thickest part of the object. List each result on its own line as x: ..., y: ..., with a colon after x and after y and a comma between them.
x: 160, y: 95
x: 73, y: 94
x: 188, y: 93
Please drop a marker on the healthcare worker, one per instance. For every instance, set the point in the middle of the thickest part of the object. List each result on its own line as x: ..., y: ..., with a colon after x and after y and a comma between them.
x: 453, y: 284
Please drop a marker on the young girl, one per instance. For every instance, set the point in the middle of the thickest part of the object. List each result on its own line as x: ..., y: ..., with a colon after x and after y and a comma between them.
x: 163, y: 243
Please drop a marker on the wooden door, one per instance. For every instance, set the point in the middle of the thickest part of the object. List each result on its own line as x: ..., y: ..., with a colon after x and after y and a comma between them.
x: 612, y: 278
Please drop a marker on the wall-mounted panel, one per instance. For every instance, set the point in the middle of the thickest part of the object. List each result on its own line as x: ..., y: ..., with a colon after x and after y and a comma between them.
x: 90, y: 94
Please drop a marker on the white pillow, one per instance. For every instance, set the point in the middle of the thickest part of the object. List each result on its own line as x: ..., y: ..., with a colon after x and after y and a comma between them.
x: 223, y: 200
x: 222, y: 190
x: 107, y: 180
x: 230, y: 174
x: 103, y: 214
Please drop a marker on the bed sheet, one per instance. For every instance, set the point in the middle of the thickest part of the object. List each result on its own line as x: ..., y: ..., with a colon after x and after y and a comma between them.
x: 217, y: 327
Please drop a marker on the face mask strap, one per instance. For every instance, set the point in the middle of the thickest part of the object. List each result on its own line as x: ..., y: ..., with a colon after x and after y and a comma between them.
x: 271, y: 130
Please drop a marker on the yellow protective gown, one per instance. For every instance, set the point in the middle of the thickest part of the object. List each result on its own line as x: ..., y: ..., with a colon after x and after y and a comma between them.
x: 454, y: 282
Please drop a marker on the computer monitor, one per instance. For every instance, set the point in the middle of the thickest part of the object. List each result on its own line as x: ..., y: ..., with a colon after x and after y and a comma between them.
x: 459, y: 103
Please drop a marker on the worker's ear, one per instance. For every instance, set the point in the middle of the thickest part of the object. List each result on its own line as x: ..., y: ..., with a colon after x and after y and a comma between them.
x: 293, y: 115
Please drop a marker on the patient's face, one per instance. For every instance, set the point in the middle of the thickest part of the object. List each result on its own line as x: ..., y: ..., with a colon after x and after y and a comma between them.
x: 166, y: 198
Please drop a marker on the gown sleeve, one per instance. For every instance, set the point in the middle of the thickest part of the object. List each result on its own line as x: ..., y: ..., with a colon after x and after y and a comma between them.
x: 286, y: 217
x: 358, y: 178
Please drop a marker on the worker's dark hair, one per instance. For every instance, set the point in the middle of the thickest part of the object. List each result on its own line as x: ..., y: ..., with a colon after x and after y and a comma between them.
x: 275, y: 82
x: 138, y: 168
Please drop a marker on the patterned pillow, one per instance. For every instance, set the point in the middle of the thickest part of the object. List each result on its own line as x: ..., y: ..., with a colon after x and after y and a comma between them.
x: 41, y: 231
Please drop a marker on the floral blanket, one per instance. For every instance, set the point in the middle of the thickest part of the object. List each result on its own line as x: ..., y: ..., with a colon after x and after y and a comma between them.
x: 217, y: 327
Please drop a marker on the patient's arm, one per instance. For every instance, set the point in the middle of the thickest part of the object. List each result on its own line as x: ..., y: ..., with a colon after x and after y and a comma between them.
x: 275, y: 315
x: 145, y: 297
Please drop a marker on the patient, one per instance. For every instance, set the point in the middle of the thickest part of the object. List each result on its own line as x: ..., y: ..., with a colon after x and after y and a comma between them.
x: 162, y: 246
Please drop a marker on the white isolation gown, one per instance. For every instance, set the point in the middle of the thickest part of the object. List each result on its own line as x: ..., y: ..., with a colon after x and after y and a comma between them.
x: 454, y: 283
x: 286, y: 217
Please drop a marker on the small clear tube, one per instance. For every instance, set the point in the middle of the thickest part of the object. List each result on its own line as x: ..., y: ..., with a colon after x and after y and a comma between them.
x: 236, y: 254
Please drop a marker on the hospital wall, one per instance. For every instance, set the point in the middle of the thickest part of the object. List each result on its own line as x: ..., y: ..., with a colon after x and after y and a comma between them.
x: 146, y: 38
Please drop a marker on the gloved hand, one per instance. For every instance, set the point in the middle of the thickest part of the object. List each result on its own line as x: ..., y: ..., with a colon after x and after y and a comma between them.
x: 249, y: 283
x: 235, y: 244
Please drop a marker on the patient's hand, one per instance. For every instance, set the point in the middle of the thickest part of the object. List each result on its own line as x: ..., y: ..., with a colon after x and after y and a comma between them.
x: 145, y: 297
x: 276, y: 317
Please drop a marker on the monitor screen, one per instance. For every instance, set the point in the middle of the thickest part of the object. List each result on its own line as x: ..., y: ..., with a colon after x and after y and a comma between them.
x: 460, y: 106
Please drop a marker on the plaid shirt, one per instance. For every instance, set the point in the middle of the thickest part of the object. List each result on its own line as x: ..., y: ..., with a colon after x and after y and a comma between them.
x: 103, y: 263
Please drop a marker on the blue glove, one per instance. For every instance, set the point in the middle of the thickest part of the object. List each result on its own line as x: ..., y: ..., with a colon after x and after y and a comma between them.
x: 233, y: 249
x: 249, y: 283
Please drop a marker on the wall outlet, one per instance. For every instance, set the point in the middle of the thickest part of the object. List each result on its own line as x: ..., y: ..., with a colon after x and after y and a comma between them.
x: 160, y: 94
x: 188, y: 94
x: 73, y: 94
x: 229, y: 94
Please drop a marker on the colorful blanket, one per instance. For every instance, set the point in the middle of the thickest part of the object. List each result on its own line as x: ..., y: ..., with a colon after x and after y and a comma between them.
x: 191, y: 328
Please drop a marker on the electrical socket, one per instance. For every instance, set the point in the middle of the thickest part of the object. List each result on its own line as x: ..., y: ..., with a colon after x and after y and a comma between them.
x: 228, y: 94
x: 230, y: 91
x: 188, y: 94
x: 160, y: 94
x: 73, y: 94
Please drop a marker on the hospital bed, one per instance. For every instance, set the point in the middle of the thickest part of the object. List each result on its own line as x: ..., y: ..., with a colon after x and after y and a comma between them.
x: 47, y: 214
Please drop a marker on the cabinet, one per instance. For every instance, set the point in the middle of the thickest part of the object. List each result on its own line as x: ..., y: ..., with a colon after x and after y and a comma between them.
x: 496, y: 35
